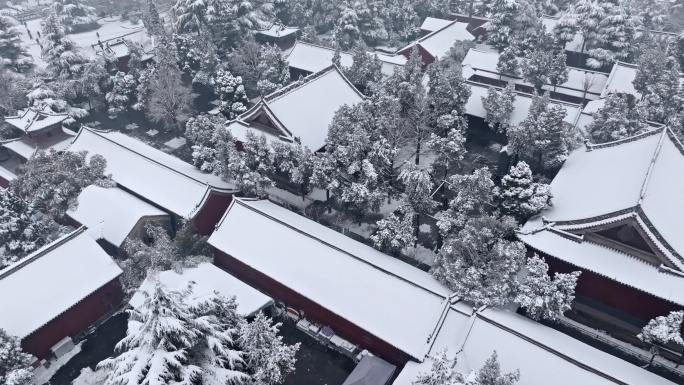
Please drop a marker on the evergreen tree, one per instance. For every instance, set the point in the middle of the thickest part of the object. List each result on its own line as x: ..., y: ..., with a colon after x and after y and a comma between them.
x: 446, y: 90
x: 297, y: 162
x: 267, y: 358
x: 652, y: 14
x: 75, y: 17
x: 15, y: 365
x: 152, y: 20
x: 231, y: 93
x: 472, y: 197
x: 519, y: 196
x: 617, y: 119
x: 441, y: 372
x: 417, y: 185
x: 64, y: 60
x: 481, y: 261
x: 13, y: 54
x: 366, y: 68
x: 52, y: 181
x: 584, y: 17
x: 170, y: 341
x: 395, y: 232
x: 207, y: 135
x: 537, y: 69
x: 558, y: 73
x: 122, y: 96
x: 543, y: 297
x: 499, y: 107
x: 652, y: 66
x: 251, y: 169
x: 448, y: 145
x: 664, y: 99
x: 503, y: 22
x: 508, y: 62
x: 664, y: 329
x: 274, y: 71
x: 490, y: 373
x: 678, y: 48
x: 615, y: 34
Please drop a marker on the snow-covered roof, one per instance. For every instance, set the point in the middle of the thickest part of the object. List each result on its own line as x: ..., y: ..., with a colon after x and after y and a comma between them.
x: 439, y: 42
x: 621, y: 80
x: 484, y: 63
x: 314, y: 58
x: 520, y: 107
x: 33, y: 119
x: 575, y: 45
x: 7, y: 174
x: 432, y: 24
x: 208, y: 279
x: 113, y: 211
x: 150, y: 173
x: 521, y: 343
x: 304, y: 109
x: 26, y: 147
x: 277, y: 30
x: 378, y: 293
x: 50, y: 281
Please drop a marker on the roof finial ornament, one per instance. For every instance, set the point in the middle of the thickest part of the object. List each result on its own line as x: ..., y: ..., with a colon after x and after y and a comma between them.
x: 588, y: 145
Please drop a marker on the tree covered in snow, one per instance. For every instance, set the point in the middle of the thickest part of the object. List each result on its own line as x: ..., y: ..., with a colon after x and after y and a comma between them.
x: 366, y: 68
x: 664, y: 99
x: 13, y: 54
x: 52, y: 181
x: 558, y: 73
x: 162, y: 253
x: 63, y: 57
x: 544, y: 140
x: 508, y: 62
x: 442, y: 371
x: 406, y: 82
x: 395, y: 232
x: 473, y: 196
x: 664, y: 329
x: 297, y: 162
x: 266, y: 357
x: 417, y: 185
x: 480, y: 262
x: 584, y: 18
x: 446, y: 89
x: 503, y: 22
x: 358, y: 163
x: 615, y: 34
x: 207, y: 135
x: 75, y: 16
x: 544, y: 297
x: 151, y: 20
x: 171, y: 341
x: 23, y: 229
x: 15, y: 365
x: 490, y: 373
x: 122, y: 96
x: 652, y: 65
x: 274, y: 70
x: 252, y: 170
x: 41, y: 95
x: 618, y: 118
x: 499, y: 107
x: 652, y: 14
x: 678, y: 48
x: 169, y: 99
x: 519, y: 196
x: 536, y: 68
x: 13, y: 91
x: 231, y: 93
x: 447, y: 144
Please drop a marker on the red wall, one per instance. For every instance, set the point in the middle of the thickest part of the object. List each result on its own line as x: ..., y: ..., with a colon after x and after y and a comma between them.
x: 4, y: 183
x: 426, y: 58
x: 211, y: 213
x: 73, y: 321
x: 311, y: 309
x: 616, y: 295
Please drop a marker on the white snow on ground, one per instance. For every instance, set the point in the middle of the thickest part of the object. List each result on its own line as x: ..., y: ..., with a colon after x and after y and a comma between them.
x: 175, y: 143
x: 89, y: 377
x: 425, y: 228
x: 420, y: 254
x: 56, y: 364
x: 109, y: 29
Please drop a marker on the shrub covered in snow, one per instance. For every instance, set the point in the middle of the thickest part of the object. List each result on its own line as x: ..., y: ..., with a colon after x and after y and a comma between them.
x: 15, y: 366
x: 664, y: 329
x: 519, y: 196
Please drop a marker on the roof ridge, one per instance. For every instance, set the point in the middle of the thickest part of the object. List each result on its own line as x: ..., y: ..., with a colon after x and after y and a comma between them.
x: 649, y: 172
x: 360, y: 259
x: 624, y: 140
x: 40, y: 253
x: 521, y: 93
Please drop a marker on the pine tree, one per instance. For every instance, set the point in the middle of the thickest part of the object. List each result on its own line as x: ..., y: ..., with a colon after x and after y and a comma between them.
x: 75, y: 17
x: 558, y: 73
x: 152, y: 20
x: 417, y: 185
x: 297, y: 162
x: 652, y: 66
x: 664, y: 329
x: 473, y: 195
x: 652, y: 14
x: 508, y: 62
x: 519, y: 196
x: 64, y: 59
x: 446, y: 89
x: 274, y: 71
x: 490, y: 373
x: 537, y: 69
x: 366, y: 68
x: 499, y: 107
x: 502, y: 24
x: 251, y: 169
x: 543, y: 297
x: 448, y: 145
x: 664, y: 99
x: 13, y: 54
x: 395, y: 232
x: 122, y: 96
x: 617, y: 119
x: 52, y: 181
x: 480, y: 262
x: 231, y: 93
x: 441, y: 372
x: 584, y: 17
x: 15, y: 365
x: 170, y: 341
x: 678, y: 48
x: 267, y: 358
x: 615, y: 34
